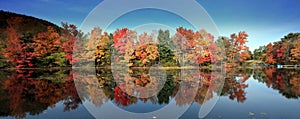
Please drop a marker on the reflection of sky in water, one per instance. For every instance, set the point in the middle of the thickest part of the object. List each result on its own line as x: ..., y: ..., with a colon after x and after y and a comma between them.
x: 58, y: 113
x: 264, y: 102
x: 141, y: 107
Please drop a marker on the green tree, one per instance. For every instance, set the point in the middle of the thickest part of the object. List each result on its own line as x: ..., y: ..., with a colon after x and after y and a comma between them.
x: 260, y: 53
x: 166, y: 49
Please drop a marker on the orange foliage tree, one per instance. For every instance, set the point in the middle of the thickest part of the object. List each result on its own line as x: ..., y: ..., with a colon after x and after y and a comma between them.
x: 48, y: 49
x: 70, y: 41
x: 295, y: 52
x: 270, y: 56
x: 47, y: 43
x: 18, y: 50
x: 238, y: 49
x: 196, y: 47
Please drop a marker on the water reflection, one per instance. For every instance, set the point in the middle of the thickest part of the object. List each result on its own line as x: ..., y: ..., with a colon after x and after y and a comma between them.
x: 31, y: 92
x: 234, y: 86
x: 27, y: 92
x: 122, y: 88
x: 286, y: 81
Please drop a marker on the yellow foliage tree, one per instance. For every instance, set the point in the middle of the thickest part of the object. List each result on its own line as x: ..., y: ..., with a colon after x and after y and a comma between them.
x: 91, y: 45
x: 296, y: 51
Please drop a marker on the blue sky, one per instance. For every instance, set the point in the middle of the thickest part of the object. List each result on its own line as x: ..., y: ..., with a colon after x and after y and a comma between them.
x: 264, y: 20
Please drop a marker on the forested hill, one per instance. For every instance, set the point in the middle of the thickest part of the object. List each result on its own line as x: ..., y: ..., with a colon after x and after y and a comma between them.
x: 28, y: 24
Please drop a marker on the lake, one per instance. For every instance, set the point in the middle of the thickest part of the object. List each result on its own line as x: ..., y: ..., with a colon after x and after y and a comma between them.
x: 266, y: 93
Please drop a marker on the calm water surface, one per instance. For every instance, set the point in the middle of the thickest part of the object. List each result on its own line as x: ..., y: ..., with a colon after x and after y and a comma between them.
x: 267, y: 93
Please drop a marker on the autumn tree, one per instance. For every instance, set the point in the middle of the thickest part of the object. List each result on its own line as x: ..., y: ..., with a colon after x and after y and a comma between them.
x: 184, y: 45
x: 123, y: 37
x: 12, y: 23
x: 239, y: 43
x: 196, y: 47
x: 275, y: 53
x: 47, y: 42
x: 235, y: 48
x: 145, y: 38
x: 91, y: 45
x: 270, y: 56
x: 48, y: 49
x: 281, y: 52
x: 123, y: 43
x: 206, y: 50
x: 135, y: 52
x: 295, y: 52
x: 18, y: 49
x: 146, y: 54
x: 104, y: 50
x: 70, y: 43
x: 146, y: 50
x: 290, y: 41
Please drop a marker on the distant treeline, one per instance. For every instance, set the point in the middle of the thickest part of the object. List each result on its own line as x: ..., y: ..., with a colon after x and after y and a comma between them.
x: 285, y: 52
x: 39, y: 43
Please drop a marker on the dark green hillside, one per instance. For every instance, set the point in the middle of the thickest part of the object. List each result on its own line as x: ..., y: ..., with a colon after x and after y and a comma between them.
x: 29, y: 24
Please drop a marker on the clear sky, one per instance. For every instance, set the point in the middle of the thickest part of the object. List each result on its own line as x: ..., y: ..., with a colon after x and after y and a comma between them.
x: 264, y: 20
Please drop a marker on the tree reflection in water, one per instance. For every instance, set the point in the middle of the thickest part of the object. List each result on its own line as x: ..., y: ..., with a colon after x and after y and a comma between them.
x: 286, y: 81
x: 234, y: 86
x: 121, y: 87
x: 31, y: 92
x: 26, y: 91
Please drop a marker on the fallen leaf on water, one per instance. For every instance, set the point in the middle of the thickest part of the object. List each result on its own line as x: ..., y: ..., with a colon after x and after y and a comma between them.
x: 263, y: 113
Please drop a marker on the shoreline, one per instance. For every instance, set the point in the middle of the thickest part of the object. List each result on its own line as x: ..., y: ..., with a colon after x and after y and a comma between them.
x: 186, y: 67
